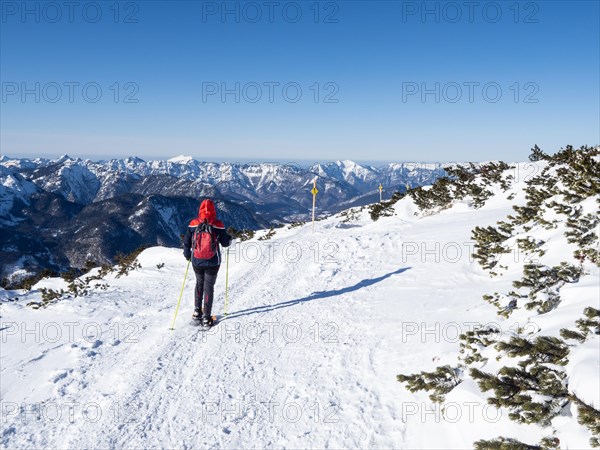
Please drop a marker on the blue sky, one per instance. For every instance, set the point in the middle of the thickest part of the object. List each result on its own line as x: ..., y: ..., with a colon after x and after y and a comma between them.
x: 369, y: 81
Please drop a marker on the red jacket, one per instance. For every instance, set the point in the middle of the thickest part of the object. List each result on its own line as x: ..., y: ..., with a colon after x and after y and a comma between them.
x: 206, y: 213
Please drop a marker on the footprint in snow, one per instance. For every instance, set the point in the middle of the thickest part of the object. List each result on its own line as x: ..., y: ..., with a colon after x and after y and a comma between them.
x: 61, y: 376
x: 8, y: 432
x: 37, y: 358
x: 6, y: 435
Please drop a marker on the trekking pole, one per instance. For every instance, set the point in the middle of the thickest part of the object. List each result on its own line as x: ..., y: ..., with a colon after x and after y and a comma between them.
x: 226, y: 281
x: 180, y: 294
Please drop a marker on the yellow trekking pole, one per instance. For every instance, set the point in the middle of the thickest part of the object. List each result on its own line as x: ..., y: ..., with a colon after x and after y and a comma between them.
x: 180, y: 294
x: 226, y: 281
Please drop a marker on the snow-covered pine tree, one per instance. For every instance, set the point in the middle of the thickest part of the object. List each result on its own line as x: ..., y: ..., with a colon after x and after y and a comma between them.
x: 439, y: 382
x: 385, y: 209
x: 588, y: 325
x: 547, y: 443
x: 537, y: 154
x: 489, y: 247
x: 533, y: 392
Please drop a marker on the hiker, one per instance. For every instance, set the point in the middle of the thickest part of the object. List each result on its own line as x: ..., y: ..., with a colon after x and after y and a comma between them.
x: 201, y: 246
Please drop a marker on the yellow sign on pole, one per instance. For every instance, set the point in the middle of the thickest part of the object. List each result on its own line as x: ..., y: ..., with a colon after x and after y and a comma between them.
x: 380, y: 192
x: 314, y: 192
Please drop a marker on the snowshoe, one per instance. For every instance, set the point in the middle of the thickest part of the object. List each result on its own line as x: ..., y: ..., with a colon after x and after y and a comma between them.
x: 208, y: 322
x: 197, y: 315
x: 205, y: 324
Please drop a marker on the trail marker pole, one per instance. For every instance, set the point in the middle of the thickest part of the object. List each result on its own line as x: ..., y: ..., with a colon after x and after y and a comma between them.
x: 314, y: 192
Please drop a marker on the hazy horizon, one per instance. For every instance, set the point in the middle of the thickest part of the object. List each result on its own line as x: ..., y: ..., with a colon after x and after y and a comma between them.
x: 298, y: 161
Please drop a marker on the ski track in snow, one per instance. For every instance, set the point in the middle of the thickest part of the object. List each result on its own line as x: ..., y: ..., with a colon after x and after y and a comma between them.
x: 251, y: 381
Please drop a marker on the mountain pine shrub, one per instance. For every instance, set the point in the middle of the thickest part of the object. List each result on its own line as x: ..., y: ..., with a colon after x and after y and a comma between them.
x: 543, y: 284
x: 129, y: 262
x: 439, y: 382
x: 586, y: 326
x: 385, y: 208
x: 268, y: 235
x: 502, y: 443
x: 241, y: 235
x: 489, y: 246
x: 532, y: 383
x: 590, y: 418
x: 472, y: 342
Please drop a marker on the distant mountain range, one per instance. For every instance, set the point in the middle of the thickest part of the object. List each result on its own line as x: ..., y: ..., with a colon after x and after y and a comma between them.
x: 60, y: 213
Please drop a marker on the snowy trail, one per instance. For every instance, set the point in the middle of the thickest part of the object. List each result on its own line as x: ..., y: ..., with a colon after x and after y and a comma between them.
x: 222, y: 376
x: 306, y: 358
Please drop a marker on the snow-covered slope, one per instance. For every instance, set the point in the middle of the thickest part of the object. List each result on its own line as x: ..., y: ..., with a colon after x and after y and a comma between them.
x: 13, y: 189
x: 319, y: 325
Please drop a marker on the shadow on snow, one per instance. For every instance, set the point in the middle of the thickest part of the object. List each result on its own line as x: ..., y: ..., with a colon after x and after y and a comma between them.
x: 314, y: 296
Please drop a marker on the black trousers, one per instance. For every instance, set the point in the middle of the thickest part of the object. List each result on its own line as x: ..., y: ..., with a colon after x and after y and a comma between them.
x: 206, y: 277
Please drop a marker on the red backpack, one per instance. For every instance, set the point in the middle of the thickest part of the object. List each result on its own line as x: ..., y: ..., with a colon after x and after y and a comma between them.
x: 205, y: 242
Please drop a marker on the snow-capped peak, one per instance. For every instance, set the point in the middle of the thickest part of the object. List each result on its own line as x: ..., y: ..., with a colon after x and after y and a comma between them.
x: 181, y: 159
x: 134, y: 160
x: 347, y: 163
x: 63, y: 159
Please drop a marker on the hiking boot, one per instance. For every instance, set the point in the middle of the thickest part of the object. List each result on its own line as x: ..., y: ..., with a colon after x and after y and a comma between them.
x: 207, y: 321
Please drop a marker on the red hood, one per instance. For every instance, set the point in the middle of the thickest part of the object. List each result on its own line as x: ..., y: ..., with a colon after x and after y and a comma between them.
x: 207, y: 211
